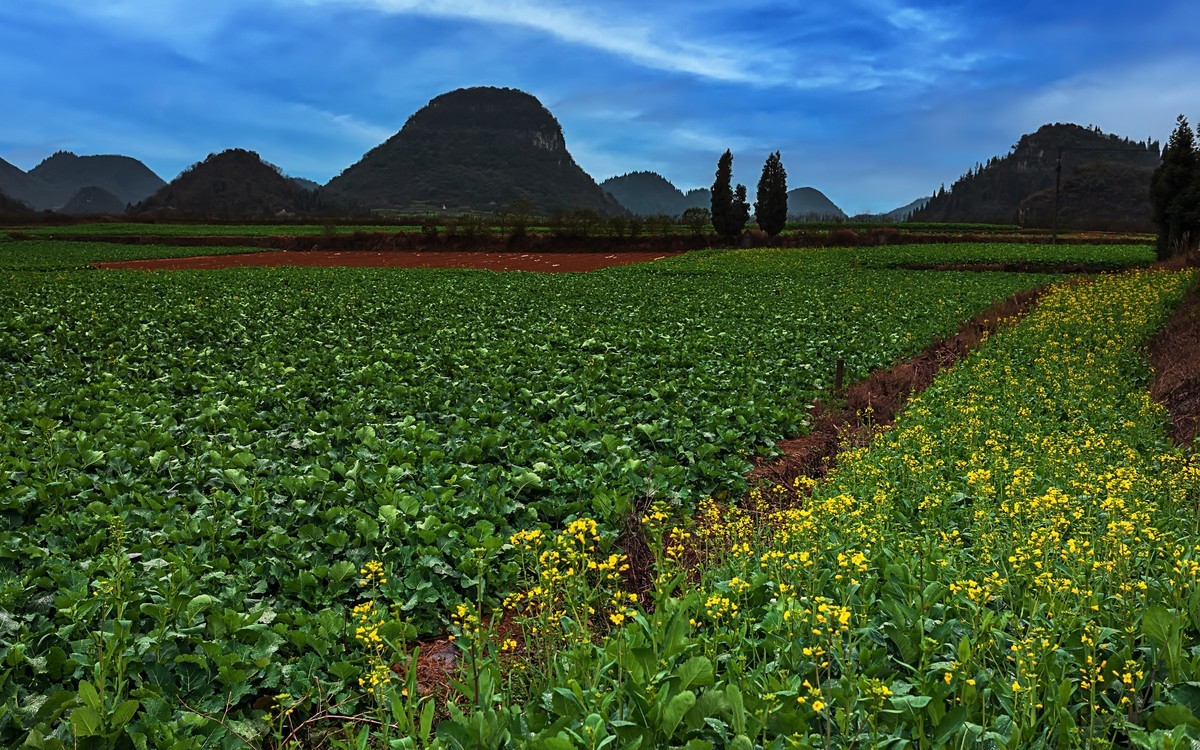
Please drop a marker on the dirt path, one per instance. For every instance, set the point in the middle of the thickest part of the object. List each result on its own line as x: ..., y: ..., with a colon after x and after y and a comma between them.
x: 1175, y: 354
x: 492, y: 261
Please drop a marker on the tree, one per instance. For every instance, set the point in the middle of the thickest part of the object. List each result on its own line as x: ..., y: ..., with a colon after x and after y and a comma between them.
x: 740, y: 210
x: 771, y: 203
x: 722, y: 196
x: 730, y: 211
x: 1170, y: 189
x: 697, y: 219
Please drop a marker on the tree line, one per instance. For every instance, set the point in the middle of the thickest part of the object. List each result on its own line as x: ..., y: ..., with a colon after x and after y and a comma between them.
x: 1175, y: 193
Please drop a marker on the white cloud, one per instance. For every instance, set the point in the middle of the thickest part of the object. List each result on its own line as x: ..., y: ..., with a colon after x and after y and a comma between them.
x: 1135, y: 101
x: 651, y: 46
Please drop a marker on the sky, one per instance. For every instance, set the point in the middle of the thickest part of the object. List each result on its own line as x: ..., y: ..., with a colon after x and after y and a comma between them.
x: 873, y: 102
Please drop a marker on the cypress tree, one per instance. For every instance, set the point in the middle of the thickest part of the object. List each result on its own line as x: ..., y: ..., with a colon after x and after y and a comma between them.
x: 740, y: 210
x: 1169, y: 189
x: 722, y: 197
x: 730, y: 211
x: 770, y: 205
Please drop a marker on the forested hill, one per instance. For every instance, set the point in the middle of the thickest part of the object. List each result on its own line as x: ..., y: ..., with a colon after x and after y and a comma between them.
x: 232, y: 184
x: 477, y: 149
x: 1105, y: 183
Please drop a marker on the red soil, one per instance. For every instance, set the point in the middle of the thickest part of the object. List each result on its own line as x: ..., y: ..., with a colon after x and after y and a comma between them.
x: 492, y: 261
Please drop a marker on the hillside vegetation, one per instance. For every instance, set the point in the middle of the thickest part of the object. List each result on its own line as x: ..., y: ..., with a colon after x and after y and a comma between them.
x: 1105, y: 183
x: 473, y: 150
x: 231, y: 184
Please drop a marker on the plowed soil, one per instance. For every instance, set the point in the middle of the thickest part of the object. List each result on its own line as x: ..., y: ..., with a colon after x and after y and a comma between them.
x: 491, y: 261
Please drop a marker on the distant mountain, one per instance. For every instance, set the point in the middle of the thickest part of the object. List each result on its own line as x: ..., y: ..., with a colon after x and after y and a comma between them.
x: 647, y: 194
x: 1105, y: 183
x: 808, y: 204
x: 698, y: 197
x: 902, y: 213
x: 64, y: 174
x: 11, y: 208
x: 232, y: 184
x: 18, y: 185
x: 476, y: 149
x: 306, y: 184
x: 94, y: 200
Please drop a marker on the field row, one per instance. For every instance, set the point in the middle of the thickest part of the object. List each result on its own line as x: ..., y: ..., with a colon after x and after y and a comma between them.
x: 48, y: 255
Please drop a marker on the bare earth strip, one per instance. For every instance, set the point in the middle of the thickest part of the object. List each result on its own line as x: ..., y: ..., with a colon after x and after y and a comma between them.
x: 514, y: 261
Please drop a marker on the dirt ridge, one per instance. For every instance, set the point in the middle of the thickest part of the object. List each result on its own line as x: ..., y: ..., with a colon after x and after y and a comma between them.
x: 849, y: 419
x: 1175, y: 355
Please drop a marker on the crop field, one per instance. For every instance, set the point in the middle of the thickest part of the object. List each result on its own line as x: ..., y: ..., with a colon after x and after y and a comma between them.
x: 54, y: 255
x: 230, y: 501
x: 139, y: 229
x: 768, y: 260
x: 1015, y: 564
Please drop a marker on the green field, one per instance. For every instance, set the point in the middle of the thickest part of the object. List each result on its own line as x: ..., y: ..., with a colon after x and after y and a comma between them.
x: 55, y: 255
x: 773, y: 260
x: 200, y: 470
x: 138, y: 229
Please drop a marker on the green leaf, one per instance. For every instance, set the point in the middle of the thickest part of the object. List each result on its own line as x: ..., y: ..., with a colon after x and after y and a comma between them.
x: 123, y: 714
x: 1156, y: 623
x: 89, y: 697
x: 950, y: 725
x: 86, y: 722
x: 696, y: 671
x: 738, y: 707
x: 676, y: 708
x: 199, y: 603
x: 427, y: 719
x: 1171, y: 716
x: 910, y: 703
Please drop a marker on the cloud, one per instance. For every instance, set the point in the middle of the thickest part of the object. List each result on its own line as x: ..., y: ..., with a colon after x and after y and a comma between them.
x: 1133, y: 100
x: 647, y: 45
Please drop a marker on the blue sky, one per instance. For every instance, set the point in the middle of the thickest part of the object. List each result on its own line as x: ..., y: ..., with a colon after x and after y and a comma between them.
x: 875, y: 102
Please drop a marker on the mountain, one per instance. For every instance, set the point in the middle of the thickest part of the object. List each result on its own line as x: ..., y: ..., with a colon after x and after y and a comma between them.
x: 232, y: 184
x: 647, y: 194
x: 94, y: 200
x: 306, y: 184
x: 808, y: 203
x: 1105, y: 183
x: 698, y: 198
x: 650, y: 194
x: 11, y: 208
x: 64, y: 174
x: 476, y: 149
x: 18, y: 185
x: 902, y: 213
